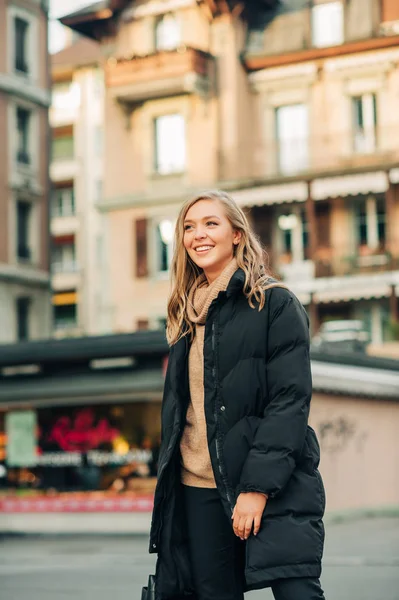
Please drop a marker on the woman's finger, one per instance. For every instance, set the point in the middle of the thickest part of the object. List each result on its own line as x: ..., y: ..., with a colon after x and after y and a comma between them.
x: 241, y: 527
x: 257, y: 522
x: 236, y: 521
x: 248, y: 527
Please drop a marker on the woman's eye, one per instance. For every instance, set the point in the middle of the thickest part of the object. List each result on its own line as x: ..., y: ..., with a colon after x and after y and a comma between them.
x: 211, y: 223
x: 187, y: 227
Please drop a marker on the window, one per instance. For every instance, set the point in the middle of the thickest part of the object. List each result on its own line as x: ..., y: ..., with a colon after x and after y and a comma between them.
x: 21, y: 34
x: 294, y: 235
x: 364, y: 123
x: 164, y: 246
x: 167, y: 32
x: 62, y: 148
x: 327, y: 24
x: 65, y: 96
x: 23, y: 119
x: 170, y: 144
x: 63, y: 202
x: 370, y: 222
x: 23, y: 227
x: 64, y: 257
x: 22, y: 310
x: 65, y: 316
x: 292, y: 138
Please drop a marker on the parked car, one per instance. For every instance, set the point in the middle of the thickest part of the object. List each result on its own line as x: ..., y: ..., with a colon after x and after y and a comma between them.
x: 341, y: 336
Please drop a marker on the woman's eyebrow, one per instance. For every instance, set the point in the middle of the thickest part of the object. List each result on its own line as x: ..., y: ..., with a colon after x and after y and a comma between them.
x: 203, y: 218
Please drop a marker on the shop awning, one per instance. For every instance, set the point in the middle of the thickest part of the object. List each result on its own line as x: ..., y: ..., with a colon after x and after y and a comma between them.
x: 86, y: 388
x: 65, y: 299
x: 272, y: 194
x: 349, y: 185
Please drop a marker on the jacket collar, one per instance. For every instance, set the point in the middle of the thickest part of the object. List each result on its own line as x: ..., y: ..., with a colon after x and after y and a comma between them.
x: 236, y: 283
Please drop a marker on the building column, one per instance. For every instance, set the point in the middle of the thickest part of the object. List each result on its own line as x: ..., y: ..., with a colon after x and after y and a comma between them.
x: 372, y: 223
x: 314, y: 319
x: 312, y: 223
x: 389, y: 217
x: 393, y: 305
x: 297, y: 237
x: 376, y: 325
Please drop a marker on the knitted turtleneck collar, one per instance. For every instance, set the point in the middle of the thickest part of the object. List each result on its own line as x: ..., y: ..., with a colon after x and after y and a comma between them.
x: 202, y: 294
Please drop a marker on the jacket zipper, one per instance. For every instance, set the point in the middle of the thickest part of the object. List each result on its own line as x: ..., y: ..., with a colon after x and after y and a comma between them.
x: 218, y: 450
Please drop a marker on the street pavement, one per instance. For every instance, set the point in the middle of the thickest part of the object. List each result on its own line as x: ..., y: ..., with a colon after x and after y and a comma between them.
x: 361, y: 563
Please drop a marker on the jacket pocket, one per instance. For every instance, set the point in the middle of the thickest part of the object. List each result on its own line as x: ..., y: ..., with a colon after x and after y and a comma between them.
x: 236, y: 446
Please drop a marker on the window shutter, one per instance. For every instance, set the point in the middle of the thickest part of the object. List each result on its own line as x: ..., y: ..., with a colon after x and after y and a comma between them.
x: 141, y: 248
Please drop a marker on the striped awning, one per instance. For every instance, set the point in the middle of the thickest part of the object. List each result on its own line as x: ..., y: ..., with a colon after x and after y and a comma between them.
x: 272, y: 194
x: 349, y: 185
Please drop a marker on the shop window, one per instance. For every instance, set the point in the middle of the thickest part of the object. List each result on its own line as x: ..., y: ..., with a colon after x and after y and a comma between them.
x: 24, y: 210
x: 167, y: 32
x: 22, y: 311
x: 364, y: 123
x: 21, y: 29
x: 292, y: 132
x: 170, y: 144
x: 103, y: 448
x: 23, y: 135
x: 328, y: 24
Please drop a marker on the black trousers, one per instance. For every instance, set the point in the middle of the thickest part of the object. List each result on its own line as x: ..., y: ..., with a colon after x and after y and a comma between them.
x: 217, y: 555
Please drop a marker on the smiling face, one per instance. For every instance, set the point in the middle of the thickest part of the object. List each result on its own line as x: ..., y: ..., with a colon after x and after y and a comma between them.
x: 209, y: 237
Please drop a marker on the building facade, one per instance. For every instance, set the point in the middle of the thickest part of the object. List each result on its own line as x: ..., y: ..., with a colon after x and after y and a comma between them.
x: 24, y: 183
x: 77, y: 125
x: 292, y: 107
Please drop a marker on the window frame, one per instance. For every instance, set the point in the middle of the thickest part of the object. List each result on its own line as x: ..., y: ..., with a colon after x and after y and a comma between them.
x: 284, y: 145
x: 21, y: 63
x: 33, y: 56
x: 23, y: 155
x: 22, y: 306
x: 171, y: 169
x: 24, y: 250
x: 63, y: 202
x: 365, y: 134
x: 317, y: 36
x: 160, y: 31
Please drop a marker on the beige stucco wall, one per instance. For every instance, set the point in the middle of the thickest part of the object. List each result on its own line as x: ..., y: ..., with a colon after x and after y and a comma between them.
x: 230, y: 136
x: 359, y: 451
x: 133, y: 298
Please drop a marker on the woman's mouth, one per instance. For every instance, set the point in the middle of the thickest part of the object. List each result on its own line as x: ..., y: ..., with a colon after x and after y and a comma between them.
x: 203, y: 249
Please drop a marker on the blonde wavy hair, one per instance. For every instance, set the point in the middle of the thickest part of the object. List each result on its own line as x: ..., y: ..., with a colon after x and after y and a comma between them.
x: 250, y: 258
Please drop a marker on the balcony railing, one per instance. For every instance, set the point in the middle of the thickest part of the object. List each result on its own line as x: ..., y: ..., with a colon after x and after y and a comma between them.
x: 182, y: 70
x: 312, y: 155
x: 338, y: 264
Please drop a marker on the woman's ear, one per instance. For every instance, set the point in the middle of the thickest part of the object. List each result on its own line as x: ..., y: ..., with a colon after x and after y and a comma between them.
x: 237, y: 238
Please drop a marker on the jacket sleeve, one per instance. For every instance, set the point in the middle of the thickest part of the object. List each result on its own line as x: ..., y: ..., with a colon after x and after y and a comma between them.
x: 281, y: 433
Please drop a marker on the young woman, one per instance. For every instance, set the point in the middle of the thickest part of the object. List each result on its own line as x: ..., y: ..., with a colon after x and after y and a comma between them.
x: 239, y: 500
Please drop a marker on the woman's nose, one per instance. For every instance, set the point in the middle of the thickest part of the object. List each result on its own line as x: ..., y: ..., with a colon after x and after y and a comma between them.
x: 200, y: 233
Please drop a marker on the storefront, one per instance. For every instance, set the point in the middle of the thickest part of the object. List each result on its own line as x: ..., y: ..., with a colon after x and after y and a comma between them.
x: 80, y: 426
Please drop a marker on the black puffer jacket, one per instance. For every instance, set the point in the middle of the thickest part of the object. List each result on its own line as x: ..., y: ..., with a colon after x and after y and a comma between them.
x: 258, y: 387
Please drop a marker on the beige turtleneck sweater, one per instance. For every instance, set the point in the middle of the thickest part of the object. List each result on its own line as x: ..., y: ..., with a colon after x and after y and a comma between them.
x: 196, y: 462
